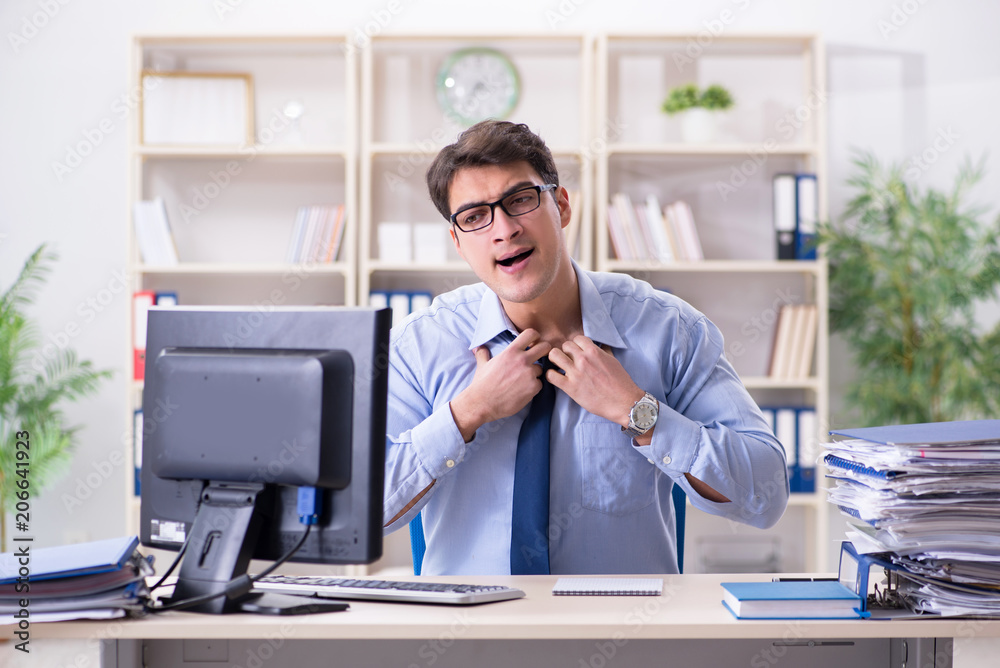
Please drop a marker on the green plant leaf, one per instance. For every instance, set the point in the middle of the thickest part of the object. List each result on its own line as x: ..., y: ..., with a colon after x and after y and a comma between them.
x: 908, y: 268
x: 34, y: 386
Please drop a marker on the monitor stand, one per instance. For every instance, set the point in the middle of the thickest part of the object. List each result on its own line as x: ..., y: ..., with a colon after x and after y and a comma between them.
x: 223, y: 538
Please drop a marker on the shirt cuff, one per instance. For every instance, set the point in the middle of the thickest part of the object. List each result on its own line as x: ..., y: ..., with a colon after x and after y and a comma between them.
x: 675, y: 442
x: 438, y: 442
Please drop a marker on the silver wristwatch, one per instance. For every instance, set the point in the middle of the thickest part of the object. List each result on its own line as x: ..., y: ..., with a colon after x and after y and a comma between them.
x: 643, y: 416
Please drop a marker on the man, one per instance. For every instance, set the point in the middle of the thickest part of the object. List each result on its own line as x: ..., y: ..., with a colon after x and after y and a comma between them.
x: 464, y: 372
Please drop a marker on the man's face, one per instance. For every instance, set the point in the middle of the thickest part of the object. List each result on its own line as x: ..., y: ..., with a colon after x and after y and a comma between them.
x: 516, y: 257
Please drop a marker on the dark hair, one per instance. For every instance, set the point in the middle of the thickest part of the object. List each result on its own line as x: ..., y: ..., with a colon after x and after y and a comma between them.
x: 488, y: 142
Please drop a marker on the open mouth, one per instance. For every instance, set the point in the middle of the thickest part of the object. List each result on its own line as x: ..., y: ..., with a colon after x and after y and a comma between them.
x: 514, y: 259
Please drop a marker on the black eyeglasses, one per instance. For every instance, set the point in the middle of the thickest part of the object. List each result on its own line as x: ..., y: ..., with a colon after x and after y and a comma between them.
x: 518, y: 203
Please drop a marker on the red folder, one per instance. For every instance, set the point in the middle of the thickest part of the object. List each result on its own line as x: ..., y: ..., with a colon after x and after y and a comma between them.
x: 141, y: 301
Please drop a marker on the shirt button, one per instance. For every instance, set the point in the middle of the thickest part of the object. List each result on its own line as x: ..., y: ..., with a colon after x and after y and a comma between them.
x: 450, y: 463
x: 650, y: 461
x: 666, y: 459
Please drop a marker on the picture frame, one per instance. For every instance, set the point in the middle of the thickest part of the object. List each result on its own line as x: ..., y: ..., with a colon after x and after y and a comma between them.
x: 196, y: 108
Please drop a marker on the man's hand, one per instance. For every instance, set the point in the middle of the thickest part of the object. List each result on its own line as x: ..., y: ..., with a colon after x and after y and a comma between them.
x: 594, y: 379
x: 501, y: 386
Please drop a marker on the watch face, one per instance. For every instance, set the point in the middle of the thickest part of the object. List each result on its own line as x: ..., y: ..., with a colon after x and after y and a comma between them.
x: 644, y: 415
x: 476, y: 84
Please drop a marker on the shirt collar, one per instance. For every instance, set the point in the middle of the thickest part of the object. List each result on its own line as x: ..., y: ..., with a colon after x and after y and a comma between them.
x: 597, y: 323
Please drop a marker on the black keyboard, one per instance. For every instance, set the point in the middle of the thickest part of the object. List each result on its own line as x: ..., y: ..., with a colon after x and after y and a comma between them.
x: 385, y: 590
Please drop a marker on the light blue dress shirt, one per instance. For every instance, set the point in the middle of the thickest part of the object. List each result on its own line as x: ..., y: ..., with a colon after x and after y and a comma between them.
x: 609, y: 500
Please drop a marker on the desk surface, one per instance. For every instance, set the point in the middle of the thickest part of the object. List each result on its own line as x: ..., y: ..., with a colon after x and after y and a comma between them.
x: 690, y: 607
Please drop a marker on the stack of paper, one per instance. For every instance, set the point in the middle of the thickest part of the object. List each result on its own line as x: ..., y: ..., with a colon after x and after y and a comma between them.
x: 928, y: 497
x: 97, y: 580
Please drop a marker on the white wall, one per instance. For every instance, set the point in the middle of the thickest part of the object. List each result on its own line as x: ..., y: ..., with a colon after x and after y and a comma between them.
x: 900, y: 72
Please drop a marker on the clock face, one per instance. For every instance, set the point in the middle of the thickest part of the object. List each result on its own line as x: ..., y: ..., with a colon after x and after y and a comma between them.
x: 644, y: 415
x: 476, y: 84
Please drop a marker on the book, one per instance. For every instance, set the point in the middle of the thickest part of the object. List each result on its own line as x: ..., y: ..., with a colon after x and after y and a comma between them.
x: 336, y: 235
x: 783, y: 187
x: 152, y: 232
x: 823, y: 599
x: 298, y: 232
x: 794, y: 342
x: 687, y: 231
x: 65, y: 561
x: 141, y: 301
x: 166, y: 298
x: 962, y: 432
x: 617, y: 234
x: 573, y: 229
x: 806, y: 216
x: 810, y: 323
x: 608, y: 587
x: 137, y: 426
x: 629, y: 227
x: 99, y: 579
x: 662, y: 245
x: 781, y: 350
x: 803, y: 476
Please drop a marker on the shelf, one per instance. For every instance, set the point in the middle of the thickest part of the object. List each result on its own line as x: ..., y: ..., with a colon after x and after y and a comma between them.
x: 720, y: 266
x: 265, y: 150
x: 427, y: 150
x: 701, y: 150
x: 767, y: 383
x: 416, y: 267
x: 239, y: 268
x: 807, y: 499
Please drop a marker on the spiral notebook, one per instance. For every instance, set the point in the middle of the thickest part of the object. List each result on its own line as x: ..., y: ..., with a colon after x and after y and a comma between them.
x: 608, y: 587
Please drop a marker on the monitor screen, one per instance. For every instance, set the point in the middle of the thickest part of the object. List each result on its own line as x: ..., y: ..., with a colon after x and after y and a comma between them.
x: 242, y: 402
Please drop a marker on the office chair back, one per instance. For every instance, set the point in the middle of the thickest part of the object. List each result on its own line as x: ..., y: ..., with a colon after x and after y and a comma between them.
x: 418, y: 546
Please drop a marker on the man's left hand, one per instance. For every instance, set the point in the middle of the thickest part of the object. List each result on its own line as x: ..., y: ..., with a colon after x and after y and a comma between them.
x: 594, y: 379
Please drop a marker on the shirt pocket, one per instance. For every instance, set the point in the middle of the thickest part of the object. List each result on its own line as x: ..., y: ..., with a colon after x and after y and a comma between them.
x: 616, y: 479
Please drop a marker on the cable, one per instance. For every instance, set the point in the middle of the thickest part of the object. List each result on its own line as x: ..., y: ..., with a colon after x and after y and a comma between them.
x: 177, y: 560
x: 239, y: 585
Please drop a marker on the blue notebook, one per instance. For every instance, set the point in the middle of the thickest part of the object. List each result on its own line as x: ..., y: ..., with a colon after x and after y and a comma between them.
x: 66, y: 561
x: 792, y: 600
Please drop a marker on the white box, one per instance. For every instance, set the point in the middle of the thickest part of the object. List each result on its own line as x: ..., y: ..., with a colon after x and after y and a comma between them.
x: 430, y: 243
x: 395, y: 242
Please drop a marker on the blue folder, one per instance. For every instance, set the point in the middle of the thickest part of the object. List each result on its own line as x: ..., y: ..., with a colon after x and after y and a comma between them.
x: 928, y: 433
x: 66, y: 561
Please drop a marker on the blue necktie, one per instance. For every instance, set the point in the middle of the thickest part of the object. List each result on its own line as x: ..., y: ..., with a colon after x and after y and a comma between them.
x: 529, y: 534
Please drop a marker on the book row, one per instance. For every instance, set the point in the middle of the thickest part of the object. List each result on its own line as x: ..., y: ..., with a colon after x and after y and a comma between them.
x: 316, y: 237
x: 646, y: 231
x: 796, y: 214
x: 317, y: 234
x: 794, y: 342
x: 402, y: 303
x: 795, y: 428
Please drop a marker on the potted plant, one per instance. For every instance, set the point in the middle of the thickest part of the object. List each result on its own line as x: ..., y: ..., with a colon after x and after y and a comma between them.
x: 699, y: 109
x: 34, y: 439
x: 908, y: 269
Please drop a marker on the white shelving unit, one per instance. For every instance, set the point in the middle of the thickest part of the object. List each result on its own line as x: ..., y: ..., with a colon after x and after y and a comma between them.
x: 369, y: 129
x: 776, y: 126
x: 232, y: 207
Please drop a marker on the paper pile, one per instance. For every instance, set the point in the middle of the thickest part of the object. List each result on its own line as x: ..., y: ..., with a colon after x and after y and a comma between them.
x: 926, y: 496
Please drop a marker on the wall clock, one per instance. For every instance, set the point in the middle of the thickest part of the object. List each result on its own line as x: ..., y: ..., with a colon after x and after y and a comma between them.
x: 478, y: 83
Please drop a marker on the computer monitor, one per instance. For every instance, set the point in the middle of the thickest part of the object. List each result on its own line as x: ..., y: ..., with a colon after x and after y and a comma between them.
x: 242, y: 409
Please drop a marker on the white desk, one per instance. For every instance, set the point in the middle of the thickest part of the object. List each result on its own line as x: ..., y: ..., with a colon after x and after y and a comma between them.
x: 687, y: 623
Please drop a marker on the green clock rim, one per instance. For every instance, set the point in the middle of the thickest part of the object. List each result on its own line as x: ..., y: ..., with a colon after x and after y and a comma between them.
x: 481, y: 50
